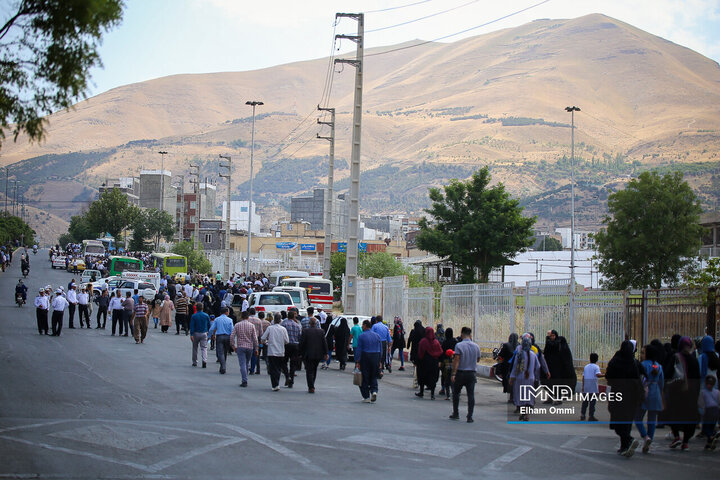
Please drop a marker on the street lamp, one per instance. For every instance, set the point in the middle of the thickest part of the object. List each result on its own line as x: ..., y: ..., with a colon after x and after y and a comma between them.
x: 162, y: 180
x: 253, y: 103
x: 572, y: 111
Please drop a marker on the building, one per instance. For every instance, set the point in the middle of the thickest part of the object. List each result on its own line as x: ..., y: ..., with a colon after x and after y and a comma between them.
x: 189, y: 199
x: 711, y: 239
x: 130, y: 186
x: 212, y: 234
x: 239, y: 216
x: 157, y: 191
x: 583, y: 240
x: 312, y: 209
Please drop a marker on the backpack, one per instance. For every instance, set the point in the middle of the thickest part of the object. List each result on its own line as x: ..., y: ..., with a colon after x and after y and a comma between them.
x: 679, y: 376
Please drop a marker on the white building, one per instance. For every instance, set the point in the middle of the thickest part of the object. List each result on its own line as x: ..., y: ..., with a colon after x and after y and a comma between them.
x: 239, y: 216
x: 583, y: 239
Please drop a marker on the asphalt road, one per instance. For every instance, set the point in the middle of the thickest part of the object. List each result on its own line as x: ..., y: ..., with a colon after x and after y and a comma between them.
x: 88, y: 405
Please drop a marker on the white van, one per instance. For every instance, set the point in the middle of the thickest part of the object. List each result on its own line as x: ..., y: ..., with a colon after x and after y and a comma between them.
x: 146, y: 277
x: 299, y: 297
x: 320, y: 290
x: 276, y: 278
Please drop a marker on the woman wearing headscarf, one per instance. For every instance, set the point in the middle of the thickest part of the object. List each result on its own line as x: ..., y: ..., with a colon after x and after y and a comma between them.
x: 342, y: 337
x: 417, y: 334
x: 525, y: 371
x: 429, y: 352
x: 506, y: 354
x: 166, y: 308
x: 448, y: 348
x: 559, y: 361
x: 654, y: 380
x: 683, y: 388
x: 440, y: 333
x: 624, y: 380
x: 398, y: 341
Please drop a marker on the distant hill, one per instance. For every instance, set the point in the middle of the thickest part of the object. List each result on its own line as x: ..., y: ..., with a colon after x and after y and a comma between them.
x: 431, y: 113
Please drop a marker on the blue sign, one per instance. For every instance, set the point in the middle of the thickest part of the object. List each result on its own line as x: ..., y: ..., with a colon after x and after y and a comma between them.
x: 342, y: 247
x: 285, y: 245
x: 307, y: 247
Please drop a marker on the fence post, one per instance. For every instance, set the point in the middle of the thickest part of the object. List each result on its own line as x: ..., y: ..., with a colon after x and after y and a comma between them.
x: 476, y: 310
x: 711, y: 328
x: 644, y: 326
x: 527, y: 308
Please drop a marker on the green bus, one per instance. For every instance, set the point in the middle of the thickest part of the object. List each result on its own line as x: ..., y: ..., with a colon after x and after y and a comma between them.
x: 120, y: 264
x: 168, y: 263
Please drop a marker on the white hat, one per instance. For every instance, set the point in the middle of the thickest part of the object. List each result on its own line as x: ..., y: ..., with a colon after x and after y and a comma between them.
x: 59, y: 291
x: 42, y: 290
x: 634, y: 344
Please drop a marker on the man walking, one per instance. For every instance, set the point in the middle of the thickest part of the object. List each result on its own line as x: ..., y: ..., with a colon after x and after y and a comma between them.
x: 59, y: 304
x: 103, y: 302
x: 467, y: 355
x: 313, y: 348
x: 384, y: 333
x: 181, y: 313
x: 275, y: 337
x: 128, y: 305
x: 305, y: 322
x: 82, y: 300
x: 72, y: 303
x: 367, y: 359
x: 221, y: 328
x: 116, y: 308
x: 42, y: 305
x: 199, y: 326
x: 140, y: 320
x: 244, y: 341
x: 292, y: 350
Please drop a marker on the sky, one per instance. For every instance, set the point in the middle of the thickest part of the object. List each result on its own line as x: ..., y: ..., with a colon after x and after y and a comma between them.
x: 165, y: 37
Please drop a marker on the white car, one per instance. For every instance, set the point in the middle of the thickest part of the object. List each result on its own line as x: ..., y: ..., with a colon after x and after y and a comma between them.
x: 59, y: 262
x: 88, y: 274
x: 145, y: 289
x: 299, y: 296
x: 271, y: 301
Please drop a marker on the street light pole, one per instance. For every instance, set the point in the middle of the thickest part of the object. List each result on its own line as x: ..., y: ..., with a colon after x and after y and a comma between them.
x: 7, y: 175
x: 572, y: 111
x: 253, y: 103
x: 162, y: 180
x: 228, y: 165
x: 196, y: 223
x: 181, y: 229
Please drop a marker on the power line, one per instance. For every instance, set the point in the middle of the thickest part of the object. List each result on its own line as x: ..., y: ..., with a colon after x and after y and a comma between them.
x: 461, y: 31
x: 422, y: 18
x: 398, y: 7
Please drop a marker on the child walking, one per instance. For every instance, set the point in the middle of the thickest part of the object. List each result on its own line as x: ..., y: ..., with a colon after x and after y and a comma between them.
x: 591, y: 373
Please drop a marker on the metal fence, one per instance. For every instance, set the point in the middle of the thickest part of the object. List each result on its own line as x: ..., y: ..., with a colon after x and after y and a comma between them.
x: 264, y: 263
x: 601, y: 320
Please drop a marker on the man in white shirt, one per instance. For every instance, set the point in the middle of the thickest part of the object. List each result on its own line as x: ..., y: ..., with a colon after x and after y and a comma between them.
x: 323, y: 316
x: 58, y: 305
x: 275, y: 337
x: 72, y: 301
x: 116, y: 309
x: 245, y: 304
x: 42, y: 305
x: 83, y: 300
x: 188, y: 290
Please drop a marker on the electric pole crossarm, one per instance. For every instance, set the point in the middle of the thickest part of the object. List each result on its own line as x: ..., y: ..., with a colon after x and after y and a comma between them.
x: 354, y: 63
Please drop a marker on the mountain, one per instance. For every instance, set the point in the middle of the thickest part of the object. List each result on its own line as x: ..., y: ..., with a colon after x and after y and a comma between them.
x: 430, y: 113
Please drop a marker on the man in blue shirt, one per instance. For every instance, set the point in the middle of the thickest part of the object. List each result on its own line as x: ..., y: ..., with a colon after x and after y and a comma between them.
x: 222, y: 328
x: 367, y: 359
x: 384, y: 333
x: 199, y: 326
x: 467, y: 355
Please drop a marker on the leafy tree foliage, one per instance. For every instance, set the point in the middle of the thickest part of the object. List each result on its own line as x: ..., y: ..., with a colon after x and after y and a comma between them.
x: 380, y: 265
x: 548, y: 244
x: 14, y: 228
x: 196, y: 260
x: 707, y: 277
x: 652, y: 232
x: 153, y: 224
x: 80, y: 229
x: 111, y: 213
x: 47, y: 48
x: 477, y: 227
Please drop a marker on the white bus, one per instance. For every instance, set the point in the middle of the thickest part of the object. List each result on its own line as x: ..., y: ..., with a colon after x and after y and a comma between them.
x: 93, y: 247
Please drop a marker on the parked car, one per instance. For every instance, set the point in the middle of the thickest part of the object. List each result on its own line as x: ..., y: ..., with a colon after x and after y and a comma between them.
x: 76, y: 265
x: 87, y: 276
x: 299, y: 296
x: 59, y: 262
x: 145, y: 289
x: 270, y: 301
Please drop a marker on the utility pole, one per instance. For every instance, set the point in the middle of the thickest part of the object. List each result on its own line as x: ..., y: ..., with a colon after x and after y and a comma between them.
x: 196, y: 182
x: 572, y: 111
x: 7, y: 175
x: 329, y: 198
x: 181, y: 229
x: 351, y: 262
x: 253, y: 103
x: 14, y: 195
x: 228, y: 165
x: 162, y: 180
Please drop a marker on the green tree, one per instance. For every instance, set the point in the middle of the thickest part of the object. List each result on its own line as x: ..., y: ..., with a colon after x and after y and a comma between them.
x: 47, y: 48
x: 159, y: 224
x: 380, y: 265
x: 548, y: 244
x: 80, y: 229
x: 14, y: 228
x: 196, y: 260
x: 139, y: 240
x: 477, y: 227
x: 111, y: 213
x: 337, y: 268
x: 652, y: 232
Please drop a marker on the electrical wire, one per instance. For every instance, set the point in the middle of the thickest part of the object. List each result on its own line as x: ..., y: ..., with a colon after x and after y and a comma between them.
x: 461, y: 31
x: 398, y: 7
x: 422, y: 18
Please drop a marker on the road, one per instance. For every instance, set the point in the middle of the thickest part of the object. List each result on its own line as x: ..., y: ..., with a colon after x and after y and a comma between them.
x: 87, y: 405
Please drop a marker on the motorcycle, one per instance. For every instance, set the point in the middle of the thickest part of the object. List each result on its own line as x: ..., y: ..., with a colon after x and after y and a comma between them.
x: 499, y: 368
x: 35, y: 251
x: 19, y: 299
x: 25, y: 271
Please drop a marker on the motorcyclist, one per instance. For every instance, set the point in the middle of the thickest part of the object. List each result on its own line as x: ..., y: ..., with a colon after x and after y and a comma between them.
x: 35, y: 248
x: 25, y: 263
x: 21, y: 288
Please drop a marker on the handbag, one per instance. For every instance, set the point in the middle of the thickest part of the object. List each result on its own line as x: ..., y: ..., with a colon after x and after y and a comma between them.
x: 357, y: 377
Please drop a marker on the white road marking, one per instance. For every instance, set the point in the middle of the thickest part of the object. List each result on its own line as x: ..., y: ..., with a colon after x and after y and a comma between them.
x: 574, y: 442
x: 500, y: 462
x: 424, y: 446
x: 156, y: 467
x: 32, y: 425
x: 277, y: 447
